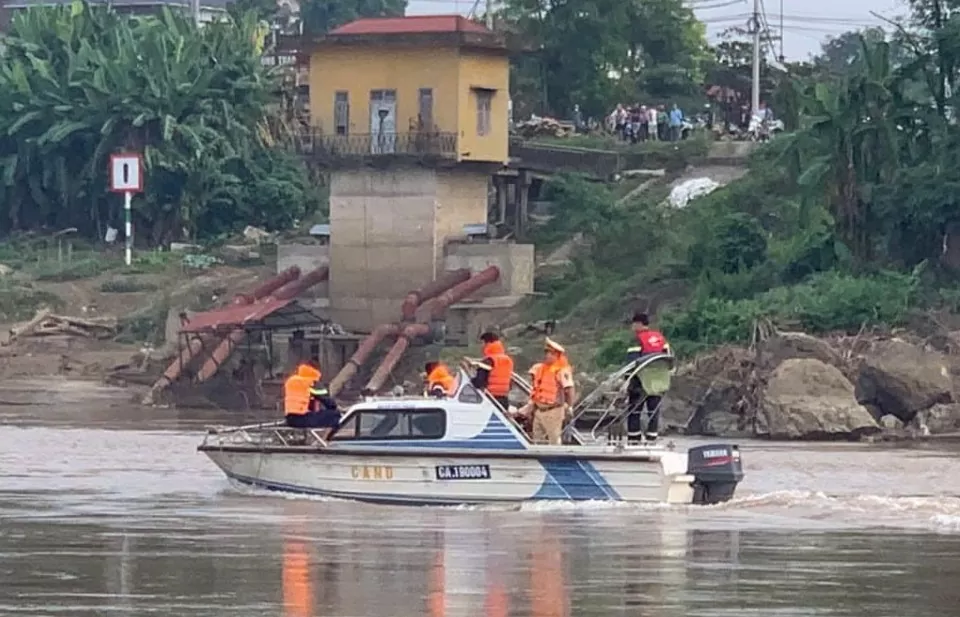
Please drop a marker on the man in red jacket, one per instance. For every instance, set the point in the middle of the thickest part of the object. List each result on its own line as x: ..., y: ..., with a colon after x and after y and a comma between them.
x: 649, y: 342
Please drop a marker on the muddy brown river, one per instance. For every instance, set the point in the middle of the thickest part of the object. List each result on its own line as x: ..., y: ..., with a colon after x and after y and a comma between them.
x: 107, y: 509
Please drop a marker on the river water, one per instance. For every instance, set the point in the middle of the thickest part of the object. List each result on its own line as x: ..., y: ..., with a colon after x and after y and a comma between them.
x: 107, y: 509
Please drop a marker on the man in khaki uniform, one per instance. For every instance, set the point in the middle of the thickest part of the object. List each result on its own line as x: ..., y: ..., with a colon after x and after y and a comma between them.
x: 552, y: 395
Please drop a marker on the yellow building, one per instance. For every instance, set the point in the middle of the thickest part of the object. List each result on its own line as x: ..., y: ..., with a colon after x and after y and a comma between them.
x: 424, y: 85
x: 409, y: 117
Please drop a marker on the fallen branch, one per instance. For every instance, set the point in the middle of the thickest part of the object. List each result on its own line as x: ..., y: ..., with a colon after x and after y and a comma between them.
x: 45, y: 323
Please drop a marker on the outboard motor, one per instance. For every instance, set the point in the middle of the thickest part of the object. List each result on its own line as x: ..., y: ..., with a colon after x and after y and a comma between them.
x: 716, y: 470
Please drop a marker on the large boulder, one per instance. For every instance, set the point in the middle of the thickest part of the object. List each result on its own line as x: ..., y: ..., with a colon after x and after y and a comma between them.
x: 902, y: 379
x: 807, y: 399
x: 938, y: 419
x: 789, y: 345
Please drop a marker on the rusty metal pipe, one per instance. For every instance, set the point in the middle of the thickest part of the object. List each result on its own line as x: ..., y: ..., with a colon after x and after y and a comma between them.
x: 195, y: 345
x: 268, y: 287
x: 230, y: 342
x: 438, y: 307
x: 460, y: 291
x: 369, y: 344
x: 296, y: 287
x: 414, y: 299
x: 361, y: 355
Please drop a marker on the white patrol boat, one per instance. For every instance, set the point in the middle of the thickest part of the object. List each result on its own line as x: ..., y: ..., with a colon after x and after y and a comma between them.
x: 466, y: 450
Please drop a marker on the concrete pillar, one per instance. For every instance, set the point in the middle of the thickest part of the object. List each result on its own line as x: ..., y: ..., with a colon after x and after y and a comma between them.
x: 501, y: 187
x: 523, y: 196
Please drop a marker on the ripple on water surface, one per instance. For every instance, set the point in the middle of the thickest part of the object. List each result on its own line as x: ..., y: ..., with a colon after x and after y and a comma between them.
x: 98, y: 521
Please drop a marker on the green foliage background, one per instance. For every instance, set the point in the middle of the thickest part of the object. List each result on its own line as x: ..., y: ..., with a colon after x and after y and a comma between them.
x: 847, y: 222
x: 79, y: 82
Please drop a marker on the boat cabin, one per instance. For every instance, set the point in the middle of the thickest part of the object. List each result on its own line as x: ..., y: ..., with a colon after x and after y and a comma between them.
x: 469, y: 418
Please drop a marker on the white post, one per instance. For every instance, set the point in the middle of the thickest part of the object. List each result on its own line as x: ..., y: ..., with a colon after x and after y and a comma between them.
x: 755, y: 90
x: 127, y: 198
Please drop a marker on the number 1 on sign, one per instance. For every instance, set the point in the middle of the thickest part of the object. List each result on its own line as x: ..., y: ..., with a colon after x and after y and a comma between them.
x: 126, y: 176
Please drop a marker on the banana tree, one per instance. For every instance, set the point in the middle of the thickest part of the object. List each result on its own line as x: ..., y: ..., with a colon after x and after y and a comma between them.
x: 79, y: 82
x: 849, y: 143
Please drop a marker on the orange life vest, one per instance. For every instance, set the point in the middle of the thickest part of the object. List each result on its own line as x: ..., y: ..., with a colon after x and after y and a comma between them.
x: 296, y: 390
x: 546, y: 384
x: 440, y: 376
x: 498, y: 383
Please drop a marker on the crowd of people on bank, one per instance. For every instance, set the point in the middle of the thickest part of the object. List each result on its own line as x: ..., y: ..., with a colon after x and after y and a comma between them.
x: 308, y: 404
x: 640, y: 123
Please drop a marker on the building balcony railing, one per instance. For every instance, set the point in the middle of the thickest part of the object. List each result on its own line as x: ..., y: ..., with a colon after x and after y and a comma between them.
x: 423, y: 144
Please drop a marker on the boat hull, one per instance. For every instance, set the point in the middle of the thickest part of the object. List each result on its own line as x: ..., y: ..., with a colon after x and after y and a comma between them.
x: 416, y: 478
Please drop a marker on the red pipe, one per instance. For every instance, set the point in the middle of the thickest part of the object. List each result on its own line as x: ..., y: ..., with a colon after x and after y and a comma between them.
x: 361, y: 355
x: 269, y: 286
x: 411, y: 303
x: 195, y: 345
x: 416, y: 330
x: 296, y: 287
x: 408, y: 310
x: 458, y: 292
x: 230, y: 342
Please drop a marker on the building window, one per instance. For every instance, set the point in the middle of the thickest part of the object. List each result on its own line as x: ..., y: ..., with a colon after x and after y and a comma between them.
x: 484, y: 104
x: 341, y: 112
x: 425, y: 116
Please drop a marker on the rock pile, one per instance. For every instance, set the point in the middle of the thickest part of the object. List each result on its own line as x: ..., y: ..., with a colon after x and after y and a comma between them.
x: 796, y: 386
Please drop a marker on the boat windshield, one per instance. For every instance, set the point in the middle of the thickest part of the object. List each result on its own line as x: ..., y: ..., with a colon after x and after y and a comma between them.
x: 382, y: 423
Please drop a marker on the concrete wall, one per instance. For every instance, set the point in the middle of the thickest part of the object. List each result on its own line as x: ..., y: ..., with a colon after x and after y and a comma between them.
x: 307, y: 257
x: 516, y: 263
x: 462, y: 199
x: 382, y: 242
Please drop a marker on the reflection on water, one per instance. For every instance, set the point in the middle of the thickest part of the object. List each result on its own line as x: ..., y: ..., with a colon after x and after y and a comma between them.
x: 133, y: 522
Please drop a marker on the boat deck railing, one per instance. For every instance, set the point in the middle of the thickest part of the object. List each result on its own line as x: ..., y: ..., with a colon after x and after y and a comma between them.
x: 263, y: 434
x: 609, y: 401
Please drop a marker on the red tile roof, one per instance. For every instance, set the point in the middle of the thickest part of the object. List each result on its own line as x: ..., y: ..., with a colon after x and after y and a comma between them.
x: 414, y: 24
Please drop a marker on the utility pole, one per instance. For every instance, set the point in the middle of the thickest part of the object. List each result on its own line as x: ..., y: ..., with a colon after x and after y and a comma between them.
x: 195, y: 6
x: 755, y: 90
x: 489, y: 13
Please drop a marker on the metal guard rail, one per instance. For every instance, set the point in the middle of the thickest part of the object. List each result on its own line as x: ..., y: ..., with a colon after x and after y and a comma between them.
x: 417, y: 143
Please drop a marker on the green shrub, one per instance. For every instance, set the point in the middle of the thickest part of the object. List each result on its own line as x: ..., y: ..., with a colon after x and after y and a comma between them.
x: 21, y: 301
x: 125, y: 286
x: 828, y: 301
x: 79, y: 269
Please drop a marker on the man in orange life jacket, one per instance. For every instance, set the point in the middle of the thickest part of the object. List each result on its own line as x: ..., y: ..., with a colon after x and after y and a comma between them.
x: 440, y: 383
x: 495, y: 371
x: 649, y: 342
x: 306, y: 402
x: 552, y: 395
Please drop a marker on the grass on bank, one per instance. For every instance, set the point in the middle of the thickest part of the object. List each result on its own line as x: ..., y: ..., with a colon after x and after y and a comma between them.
x: 749, y: 251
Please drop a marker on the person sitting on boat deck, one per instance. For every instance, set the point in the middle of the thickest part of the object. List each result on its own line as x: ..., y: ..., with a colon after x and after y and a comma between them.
x: 306, y: 402
x: 440, y: 383
x: 649, y: 342
x: 495, y: 371
x: 552, y: 396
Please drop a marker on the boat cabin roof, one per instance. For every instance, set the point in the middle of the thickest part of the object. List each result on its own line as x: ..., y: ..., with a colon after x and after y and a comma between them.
x: 469, y: 418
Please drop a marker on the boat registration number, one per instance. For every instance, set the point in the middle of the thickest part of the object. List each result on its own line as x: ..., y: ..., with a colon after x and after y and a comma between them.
x: 463, y: 472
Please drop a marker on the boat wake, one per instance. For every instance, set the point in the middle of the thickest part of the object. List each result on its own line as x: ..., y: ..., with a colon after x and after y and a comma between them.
x: 941, y: 513
x: 786, y: 509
